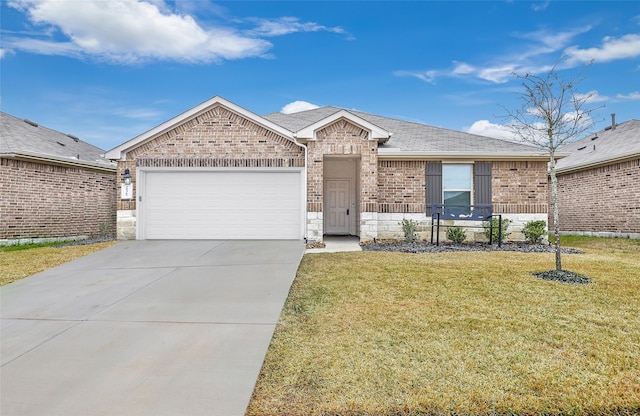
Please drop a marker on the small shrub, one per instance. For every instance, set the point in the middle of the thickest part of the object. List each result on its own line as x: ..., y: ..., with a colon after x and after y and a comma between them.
x: 505, y: 225
x: 103, y: 231
x: 534, y: 231
x: 409, y: 228
x: 456, y: 234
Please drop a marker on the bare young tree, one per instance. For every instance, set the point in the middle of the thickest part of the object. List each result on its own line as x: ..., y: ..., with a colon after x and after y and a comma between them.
x: 552, y: 114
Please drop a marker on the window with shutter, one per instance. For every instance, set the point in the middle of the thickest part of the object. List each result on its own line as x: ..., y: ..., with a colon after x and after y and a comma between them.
x: 433, y: 183
x: 482, y: 183
x: 453, y: 184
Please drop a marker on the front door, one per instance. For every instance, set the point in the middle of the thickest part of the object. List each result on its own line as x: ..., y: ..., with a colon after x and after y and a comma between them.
x: 336, y: 212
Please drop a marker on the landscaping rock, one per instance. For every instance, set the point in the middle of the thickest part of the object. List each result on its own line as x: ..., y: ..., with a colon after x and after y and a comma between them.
x: 563, y: 276
x: 423, y: 247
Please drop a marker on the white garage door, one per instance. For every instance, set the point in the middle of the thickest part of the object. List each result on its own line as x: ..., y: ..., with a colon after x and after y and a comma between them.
x: 221, y: 205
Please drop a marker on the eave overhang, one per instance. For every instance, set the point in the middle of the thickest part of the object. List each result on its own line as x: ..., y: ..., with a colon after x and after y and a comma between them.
x: 394, y: 154
x: 599, y: 162
x: 59, y: 160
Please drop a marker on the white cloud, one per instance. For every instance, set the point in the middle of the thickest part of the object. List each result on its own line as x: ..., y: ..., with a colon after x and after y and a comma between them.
x: 297, y: 106
x: 426, y: 76
x: 462, y: 68
x: 633, y: 96
x: 489, y: 129
x: 288, y: 25
x: 539, y: 7
x: 627, y: 46
x: 537, y: 53
x: 129, y: 31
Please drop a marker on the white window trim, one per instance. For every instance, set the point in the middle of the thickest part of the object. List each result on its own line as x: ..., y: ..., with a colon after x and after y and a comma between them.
x: 459, y: 163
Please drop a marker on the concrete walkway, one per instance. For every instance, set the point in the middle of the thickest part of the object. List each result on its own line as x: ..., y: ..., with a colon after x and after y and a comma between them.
x: 144, y: 328
x: 338, y: 243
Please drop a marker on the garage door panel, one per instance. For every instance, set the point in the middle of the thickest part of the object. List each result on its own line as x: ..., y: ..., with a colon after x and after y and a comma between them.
x: 222, y: 204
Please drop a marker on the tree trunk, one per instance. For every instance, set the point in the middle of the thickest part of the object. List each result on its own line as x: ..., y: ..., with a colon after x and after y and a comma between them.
x: 556, y: 211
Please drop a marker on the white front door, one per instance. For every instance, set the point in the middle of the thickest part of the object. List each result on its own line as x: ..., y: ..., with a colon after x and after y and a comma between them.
x: 337, y: 204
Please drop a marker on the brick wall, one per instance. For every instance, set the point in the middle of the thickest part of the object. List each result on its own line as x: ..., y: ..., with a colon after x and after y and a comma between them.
x: 48, y: 201
x: 401, y: 186
x: 517, y: 187
x: 605, y: 199
x: 216, y: 138
x: 342, y: 138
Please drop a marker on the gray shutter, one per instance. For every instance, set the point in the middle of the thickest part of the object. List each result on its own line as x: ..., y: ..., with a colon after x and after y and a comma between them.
x: 433, y: 172
x: 482, y: 183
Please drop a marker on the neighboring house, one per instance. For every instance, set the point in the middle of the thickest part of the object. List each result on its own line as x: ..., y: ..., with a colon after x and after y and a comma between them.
x: 599, y: 183
x: 221, y: 171
x: 52, y: 185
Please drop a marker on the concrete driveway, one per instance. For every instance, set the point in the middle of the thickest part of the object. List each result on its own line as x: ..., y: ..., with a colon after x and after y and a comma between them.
x: 144, y: 328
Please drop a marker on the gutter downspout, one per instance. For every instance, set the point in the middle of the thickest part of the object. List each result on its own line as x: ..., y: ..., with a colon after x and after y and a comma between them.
x: 304, y: 183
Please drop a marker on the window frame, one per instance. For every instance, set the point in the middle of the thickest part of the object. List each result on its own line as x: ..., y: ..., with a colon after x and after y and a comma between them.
x: 470, y: 190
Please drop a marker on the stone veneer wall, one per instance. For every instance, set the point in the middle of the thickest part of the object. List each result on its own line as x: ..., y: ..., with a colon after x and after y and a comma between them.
x: 52, y: 201
x: 216, y: 138
x: 603, y: 200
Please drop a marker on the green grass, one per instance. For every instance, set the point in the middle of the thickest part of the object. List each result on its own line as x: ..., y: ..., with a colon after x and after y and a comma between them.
x: 19, y: 247
x: 18, y: 262
x: 457, y: 333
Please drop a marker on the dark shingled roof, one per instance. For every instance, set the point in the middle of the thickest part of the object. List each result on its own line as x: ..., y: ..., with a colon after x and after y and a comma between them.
x: 407, y: 136
x: 22, y: 138
x: 602, y: 147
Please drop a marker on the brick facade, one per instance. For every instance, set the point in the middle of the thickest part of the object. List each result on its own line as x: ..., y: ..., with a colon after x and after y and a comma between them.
x: 603, y: 199
x: 226, y: 137
x: 343, y: 138
x: 53, y: 201
x: 401, y: 186
x: 517, y: 187
x: 215, y: 138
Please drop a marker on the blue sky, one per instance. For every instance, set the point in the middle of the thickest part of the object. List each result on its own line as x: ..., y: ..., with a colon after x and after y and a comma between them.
x: 107, y: 71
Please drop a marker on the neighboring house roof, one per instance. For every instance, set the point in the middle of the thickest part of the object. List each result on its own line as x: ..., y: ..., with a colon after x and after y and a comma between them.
x: 411, y: 140
x: 606, y: 146
x: 25, y: 139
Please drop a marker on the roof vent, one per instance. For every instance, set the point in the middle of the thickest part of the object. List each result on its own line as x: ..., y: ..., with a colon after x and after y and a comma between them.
x: 75, y: 138
x: 582, y: 148
x: 61, y: 144
x: 613, y: 121
x: 595, y: 136
x: 32, y: 123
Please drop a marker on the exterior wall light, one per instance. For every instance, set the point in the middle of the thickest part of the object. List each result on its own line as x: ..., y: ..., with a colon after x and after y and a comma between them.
x: 127, y: 177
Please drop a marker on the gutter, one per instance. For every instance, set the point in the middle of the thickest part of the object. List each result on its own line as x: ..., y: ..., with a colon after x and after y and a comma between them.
x: 383, y: 154
x: 58, y: 160
x: 599, y: 162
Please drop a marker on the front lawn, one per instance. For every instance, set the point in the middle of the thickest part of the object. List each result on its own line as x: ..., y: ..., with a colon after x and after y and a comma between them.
x: 373, y: 333
x: 18, y: 262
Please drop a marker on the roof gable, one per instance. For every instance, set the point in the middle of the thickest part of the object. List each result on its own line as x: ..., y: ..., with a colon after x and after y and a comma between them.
x: 375, y: 132
x: 120, y: 151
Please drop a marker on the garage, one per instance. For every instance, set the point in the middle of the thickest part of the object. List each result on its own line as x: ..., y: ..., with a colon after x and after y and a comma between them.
x: 220, y: 204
